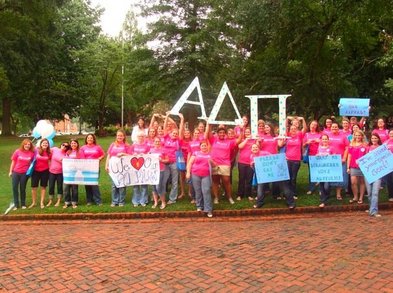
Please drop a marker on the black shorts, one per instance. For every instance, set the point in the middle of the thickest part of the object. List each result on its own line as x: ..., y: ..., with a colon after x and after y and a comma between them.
x: 41, y: 177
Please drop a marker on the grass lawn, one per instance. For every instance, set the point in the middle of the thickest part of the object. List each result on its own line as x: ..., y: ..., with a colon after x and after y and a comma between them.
x: 9, y: 144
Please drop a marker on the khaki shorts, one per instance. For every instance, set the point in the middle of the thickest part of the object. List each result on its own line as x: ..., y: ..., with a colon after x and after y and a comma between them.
x: 221, y: 170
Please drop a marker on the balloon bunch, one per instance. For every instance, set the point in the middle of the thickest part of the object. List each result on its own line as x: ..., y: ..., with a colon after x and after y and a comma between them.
x: 44, y: 129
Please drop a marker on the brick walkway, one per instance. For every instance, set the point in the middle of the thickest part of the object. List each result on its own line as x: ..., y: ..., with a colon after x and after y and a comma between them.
x: 343, y: 252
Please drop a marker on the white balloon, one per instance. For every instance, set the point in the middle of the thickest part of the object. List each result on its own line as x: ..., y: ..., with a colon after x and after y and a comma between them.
x: 47, y: 130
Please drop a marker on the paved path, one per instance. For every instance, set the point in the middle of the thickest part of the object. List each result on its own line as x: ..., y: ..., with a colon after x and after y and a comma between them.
x: 343, y: 252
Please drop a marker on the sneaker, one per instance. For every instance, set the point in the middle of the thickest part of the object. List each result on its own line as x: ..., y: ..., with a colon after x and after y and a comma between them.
x: 171, y: 202
x: 231, y: 201
x: 390, y: 199
x: 199, y: 210
x: 121, y: 204
x: 143, y: 204
x: 322, y: 205
x: 135, y: 205
x: 279, y: 197
x: 238, y: 198
x: 15, y: 209
x: 209, y: 215
x: 250, y: 198
x: 291, y: 207
x: 309, y: 192
x: 294, y: 197
x: 192, y: 201
x: 113, y: 205
x: 24, y: 207
x: 216, y: 200
x: 89, y: 204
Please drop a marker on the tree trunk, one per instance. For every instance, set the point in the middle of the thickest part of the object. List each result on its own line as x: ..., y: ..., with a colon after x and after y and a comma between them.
x: 6, y: 120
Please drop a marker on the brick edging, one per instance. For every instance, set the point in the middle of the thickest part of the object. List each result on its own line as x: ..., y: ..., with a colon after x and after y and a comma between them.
x: 192, y: 214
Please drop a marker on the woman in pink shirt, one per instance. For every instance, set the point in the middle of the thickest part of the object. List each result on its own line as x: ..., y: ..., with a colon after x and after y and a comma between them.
x: 262, y: 187
x: 221, y: 149
x: 357, y: 149
x: 40, y: 174
x: 151, y: 135
x: 185, y: 139
x: 389, y: 177
x: 159, y: 190
x: 381, y: 130
x: 91, y: 150
x: 246, y: 173
x: 20, y: 162
x: 324, y: 150
x: 293, y: 152
x: 118, y: 148
x: 198, y: 170
x: 311, y: 141
x: 139, y: 195
x: 56, y: 172
x: 71, y: 190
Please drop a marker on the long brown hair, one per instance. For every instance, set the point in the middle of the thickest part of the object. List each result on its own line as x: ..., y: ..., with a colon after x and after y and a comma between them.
x: 25, y: 141
x: 40, y: 150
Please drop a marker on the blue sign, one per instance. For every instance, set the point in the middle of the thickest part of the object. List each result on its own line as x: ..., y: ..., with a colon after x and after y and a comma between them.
x: 271, y: 168
x: 354, y: 107
x: 326, y: 168
x: 376, y: 163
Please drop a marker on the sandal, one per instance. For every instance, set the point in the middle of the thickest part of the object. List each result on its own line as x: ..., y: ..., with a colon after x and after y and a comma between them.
x: 360, y: 201
x: 339, y: 197
x: 353, y: 200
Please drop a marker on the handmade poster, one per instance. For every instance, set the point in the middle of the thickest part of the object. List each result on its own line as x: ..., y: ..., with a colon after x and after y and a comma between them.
x: 354, y: 107
x: 81, y: 171
x: 376, y: 163
x: 271, y: 168
x: 326, y: 168
x: 135, y: 170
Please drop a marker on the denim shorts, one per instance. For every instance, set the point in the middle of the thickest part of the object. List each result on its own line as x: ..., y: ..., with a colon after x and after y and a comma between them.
x: 356, y: 172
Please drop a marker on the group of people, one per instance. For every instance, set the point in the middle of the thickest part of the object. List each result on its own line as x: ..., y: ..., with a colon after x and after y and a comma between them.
x: 210, y: 156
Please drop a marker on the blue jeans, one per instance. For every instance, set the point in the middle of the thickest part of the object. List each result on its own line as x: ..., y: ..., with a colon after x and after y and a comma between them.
x: 246, y: 172
x: 261, y: 189
x: 93, y: 194
x: 293, y: 168
x: 58, y: 180
x: 160, y: 188
x: 139, y: 195
x: 118, y: 195
x: 175, y: 178
x: 288, y: 192
x: 70, y: 194
x: 202, y: 188
x: 19, y: 180
x: 324, y: 187
x: 373, y: 192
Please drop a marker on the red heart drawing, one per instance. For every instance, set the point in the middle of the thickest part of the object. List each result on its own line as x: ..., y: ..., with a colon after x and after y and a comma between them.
x: 137, y: 163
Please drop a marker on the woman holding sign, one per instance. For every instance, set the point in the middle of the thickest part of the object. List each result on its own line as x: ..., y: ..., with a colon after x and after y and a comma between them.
x: 117, y: 149
x: 324, y: 150
x: 357, y: 149
x: 373, y: 188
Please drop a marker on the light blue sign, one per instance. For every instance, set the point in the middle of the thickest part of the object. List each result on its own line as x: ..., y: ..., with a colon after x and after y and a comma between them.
x: 326, y: 168
x: 271, y: 168
x: 354, y: 107
x: 376, y: 163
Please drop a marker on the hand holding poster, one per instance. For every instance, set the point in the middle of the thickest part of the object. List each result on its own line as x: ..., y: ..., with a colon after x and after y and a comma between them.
x: 376, y: 163
x: 354, y: 107
x: 326, y: 168
x: 271, y: 168
x: 81, y: 171
x: 135, y: 170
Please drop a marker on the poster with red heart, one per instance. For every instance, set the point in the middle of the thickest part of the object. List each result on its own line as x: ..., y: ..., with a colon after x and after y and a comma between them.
x: 132, y: 170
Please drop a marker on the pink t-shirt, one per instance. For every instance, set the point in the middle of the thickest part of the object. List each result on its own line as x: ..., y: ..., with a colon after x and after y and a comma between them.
x: 56, y: 166
x: 22, y: 160
x: 194, y: 146
x: 42, y: 161
x: 338, y: 144
x: 383, y: 134
x: 117, y: 149
x: 185, y: 147
x: 75, y: 155
x: 327, y: 131
x: 221, y: 150
x: 201, y: 164
x: 356, y: 152
x: 138, y: 148
x: 323, y: 151
x: 150, y: 142
x: 314, y: 142
x: 245, y: 152
x: 159, y: 151
x: 259, y: 154
x: 372, y: 147
x: 92, y: 151
x: 170, y: 147
x: 269, y: 144
x: 294, y: 146
x: 389, y: 144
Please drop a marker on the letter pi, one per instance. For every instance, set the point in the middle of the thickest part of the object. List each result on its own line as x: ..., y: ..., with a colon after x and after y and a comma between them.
x: 282, y: 115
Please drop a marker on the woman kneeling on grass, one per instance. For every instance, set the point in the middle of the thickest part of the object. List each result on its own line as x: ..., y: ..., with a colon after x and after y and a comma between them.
x: 198, y: 169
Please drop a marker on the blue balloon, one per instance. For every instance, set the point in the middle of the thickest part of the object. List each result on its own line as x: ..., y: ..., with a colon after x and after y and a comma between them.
x: 36, y: 134
x: 51, y: 143
x: 52, y: 135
